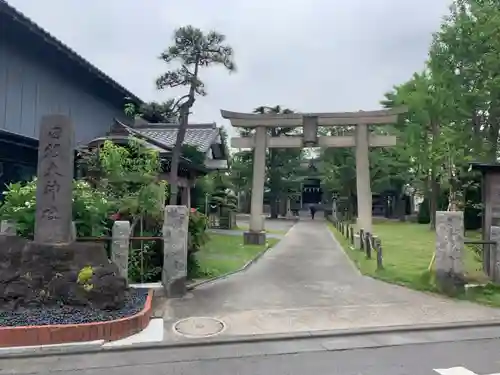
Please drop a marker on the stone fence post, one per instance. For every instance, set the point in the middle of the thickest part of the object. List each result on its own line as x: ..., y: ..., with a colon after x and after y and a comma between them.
x: 175, y: 250
x: 8, y: 228
x: 120, y: 246
x: 449, y: 251
x: 494, y: 270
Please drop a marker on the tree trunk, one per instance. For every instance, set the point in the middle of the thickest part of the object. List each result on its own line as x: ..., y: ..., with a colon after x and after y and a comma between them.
x: 434, y: 183
x: 433, y: 199
x: 176, y: 152
x: 477, y: 141
x: 401, y: 207
x: 274, y: 206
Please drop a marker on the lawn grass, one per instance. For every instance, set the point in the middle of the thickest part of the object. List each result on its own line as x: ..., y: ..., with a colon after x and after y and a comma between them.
x: 226, y: 253
x: 407, y: 252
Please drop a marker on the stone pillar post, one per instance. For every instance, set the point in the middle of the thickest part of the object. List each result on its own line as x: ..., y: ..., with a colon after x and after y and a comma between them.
x: 175, y: 250
x: 120, y: 246
x: 54, y: 188
x: 8, y: 228
x: 363, y: 188
x: 494, y: 270
x: 256, y: 235
x: 449, y: 251
x: 334, y: 209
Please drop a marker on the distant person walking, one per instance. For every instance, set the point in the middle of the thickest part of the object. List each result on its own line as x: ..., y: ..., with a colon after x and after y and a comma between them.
x: 312, y: 208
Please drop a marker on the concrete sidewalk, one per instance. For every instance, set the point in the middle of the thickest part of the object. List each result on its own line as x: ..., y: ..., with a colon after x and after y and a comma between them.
x: 307, y: 283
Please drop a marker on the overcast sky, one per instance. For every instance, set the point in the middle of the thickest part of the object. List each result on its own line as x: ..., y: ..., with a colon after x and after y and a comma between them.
x: 307, y: 55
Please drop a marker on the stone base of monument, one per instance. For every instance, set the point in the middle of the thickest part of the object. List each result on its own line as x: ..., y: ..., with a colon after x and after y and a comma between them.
x: 449, y: 283
x: 176, y: 288
x: 254, y: 238
x: 67, y: 293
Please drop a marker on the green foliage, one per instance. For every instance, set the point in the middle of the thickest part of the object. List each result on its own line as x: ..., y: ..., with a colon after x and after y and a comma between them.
x: 153, y: 112
x: 146, y: 258
x: 454, y: 106
x: 124, y: 182
x: 241, y: 170
x: 129, y: 177
x: 192, y: 154
x: 84, y: 278
x: 192, y: 50
x: 223, y: 201
x: 85, y: 275
x: 453, y: 114
x: 222, y: 196
x: 91, y: 208
x: 198, y: 236
x: 203, y: 188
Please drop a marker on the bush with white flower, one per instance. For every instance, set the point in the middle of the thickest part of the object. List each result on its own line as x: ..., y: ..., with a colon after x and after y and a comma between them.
x: 91, y: 208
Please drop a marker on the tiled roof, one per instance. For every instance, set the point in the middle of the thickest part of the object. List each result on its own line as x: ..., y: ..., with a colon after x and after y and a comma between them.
x: 73, y: 57
x: 201, y: 136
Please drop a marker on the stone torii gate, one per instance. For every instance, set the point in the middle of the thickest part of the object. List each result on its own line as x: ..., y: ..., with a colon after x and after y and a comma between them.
x: 310, y: 122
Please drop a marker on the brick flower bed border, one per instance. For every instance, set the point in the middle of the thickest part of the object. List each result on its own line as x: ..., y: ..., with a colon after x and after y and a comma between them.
x: 67, y: 333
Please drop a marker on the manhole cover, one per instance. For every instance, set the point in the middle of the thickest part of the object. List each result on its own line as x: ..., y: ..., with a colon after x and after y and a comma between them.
x: 199, y: 327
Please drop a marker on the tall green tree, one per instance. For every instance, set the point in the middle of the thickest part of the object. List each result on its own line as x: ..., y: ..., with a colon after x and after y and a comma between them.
x: 420, y: 132
x: 453, y: 117
x: 464, y: 60
x: 192, y: 50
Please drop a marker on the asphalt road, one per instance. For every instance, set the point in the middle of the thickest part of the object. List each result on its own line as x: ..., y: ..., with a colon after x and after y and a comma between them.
x: 410, y: 355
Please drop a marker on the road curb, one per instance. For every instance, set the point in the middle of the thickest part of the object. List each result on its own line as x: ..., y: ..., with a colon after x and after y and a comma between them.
x: 226, y: 275
x: 249, y: 339
x: 344, y: 251
x: 243, y: 339
x: 56, y: 349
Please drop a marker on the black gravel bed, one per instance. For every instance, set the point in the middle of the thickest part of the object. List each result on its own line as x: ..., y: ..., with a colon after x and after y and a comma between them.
x: 48, y: 315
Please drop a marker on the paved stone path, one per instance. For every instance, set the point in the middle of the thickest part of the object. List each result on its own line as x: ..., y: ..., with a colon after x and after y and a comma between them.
x: 237, y: 232
x: 280, y: 227
x: 307, y: 283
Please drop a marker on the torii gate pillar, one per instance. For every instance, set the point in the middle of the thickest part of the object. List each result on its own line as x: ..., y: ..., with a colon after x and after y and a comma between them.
x: 363, y: 183
x: 256, y: 235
